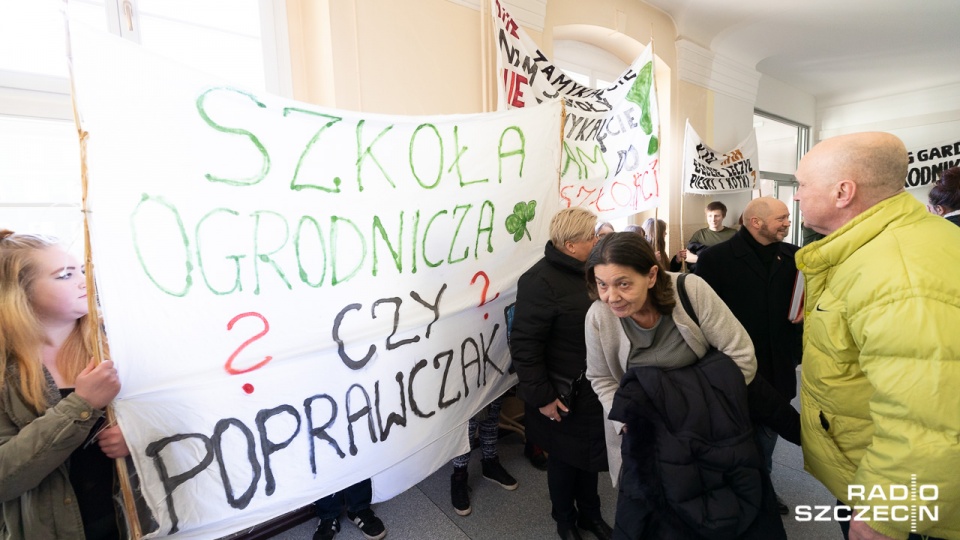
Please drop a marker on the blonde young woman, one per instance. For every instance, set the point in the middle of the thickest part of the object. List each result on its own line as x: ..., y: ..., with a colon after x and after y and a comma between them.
x: 54, y: 482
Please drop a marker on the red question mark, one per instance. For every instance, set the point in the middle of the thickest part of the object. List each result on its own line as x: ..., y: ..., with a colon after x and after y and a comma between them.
x: 483, y: 293
x: 248, y: 388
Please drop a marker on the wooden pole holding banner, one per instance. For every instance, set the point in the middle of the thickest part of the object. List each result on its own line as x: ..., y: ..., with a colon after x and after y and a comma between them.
x: 96, y: 345
x: 656, y: 234
x: 683, y: 263
x: 95, y: 334
x: 656, y: 212
x: 487, y: 67
x: 563, y: 121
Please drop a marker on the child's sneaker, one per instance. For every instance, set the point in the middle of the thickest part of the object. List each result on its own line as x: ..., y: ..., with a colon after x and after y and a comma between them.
x: 327, y: 529
x: 369, y: 524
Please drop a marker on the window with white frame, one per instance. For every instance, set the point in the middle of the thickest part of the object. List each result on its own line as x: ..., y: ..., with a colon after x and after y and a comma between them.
x: 587, y: 64
x: 780, y: 145
x: 240, y: 41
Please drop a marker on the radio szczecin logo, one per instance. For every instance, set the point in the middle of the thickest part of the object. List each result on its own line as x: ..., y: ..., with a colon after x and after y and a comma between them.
x: 895, y: 502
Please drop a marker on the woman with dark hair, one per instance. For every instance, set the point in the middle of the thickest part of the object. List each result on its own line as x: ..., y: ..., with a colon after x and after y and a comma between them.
x: 639, y: 333
x: 945, y: 196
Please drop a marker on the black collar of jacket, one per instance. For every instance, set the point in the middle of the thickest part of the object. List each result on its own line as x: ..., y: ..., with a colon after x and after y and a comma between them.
x: 744, y: 246
x: 562, y: 260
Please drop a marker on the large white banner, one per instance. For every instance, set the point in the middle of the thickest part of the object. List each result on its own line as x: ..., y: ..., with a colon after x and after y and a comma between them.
x: 707, y: 171
x: 611, y: 137
x: 298, y: 298
x: 929, y: 162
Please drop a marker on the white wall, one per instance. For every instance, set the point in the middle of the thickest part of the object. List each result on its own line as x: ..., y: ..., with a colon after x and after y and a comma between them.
x: 934, y: 109
x: 733, y: 122
x: 920, y: 119
x: 785, y: 101
x: 736, y: 91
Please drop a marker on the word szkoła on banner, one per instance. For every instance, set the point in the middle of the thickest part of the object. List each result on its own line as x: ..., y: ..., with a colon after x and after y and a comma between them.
x: 707, y: 171
x: 611, y: 137
x: 297, y: 298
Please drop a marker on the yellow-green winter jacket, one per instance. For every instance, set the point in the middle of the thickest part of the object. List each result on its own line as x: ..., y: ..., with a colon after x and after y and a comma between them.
x: 880, y: 384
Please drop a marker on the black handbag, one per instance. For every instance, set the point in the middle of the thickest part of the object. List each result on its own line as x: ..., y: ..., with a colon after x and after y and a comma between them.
x: 568, y: 398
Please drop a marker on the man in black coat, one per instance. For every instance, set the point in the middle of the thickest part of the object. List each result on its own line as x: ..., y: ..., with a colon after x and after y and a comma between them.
x: 754, y: 273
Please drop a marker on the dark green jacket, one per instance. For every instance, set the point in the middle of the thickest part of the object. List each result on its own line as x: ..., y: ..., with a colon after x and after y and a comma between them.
x: 36, y: 498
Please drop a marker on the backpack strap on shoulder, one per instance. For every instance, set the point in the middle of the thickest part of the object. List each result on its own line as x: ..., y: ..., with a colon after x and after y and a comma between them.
x: 685, y: 300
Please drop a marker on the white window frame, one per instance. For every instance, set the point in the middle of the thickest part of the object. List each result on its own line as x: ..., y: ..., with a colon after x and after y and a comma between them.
x: 590, y: 60
x: 48, y: 97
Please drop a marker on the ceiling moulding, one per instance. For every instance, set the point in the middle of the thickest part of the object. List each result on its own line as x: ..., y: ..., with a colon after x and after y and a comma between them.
x: 705, y: 68
x: 528, y: 13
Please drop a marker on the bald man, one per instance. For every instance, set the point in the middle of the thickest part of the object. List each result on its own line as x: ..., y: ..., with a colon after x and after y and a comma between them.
x: 880, y: 385
x: 754, y: 272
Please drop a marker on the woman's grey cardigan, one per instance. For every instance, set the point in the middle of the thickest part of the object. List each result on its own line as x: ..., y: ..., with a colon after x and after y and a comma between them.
x: 608, y: 348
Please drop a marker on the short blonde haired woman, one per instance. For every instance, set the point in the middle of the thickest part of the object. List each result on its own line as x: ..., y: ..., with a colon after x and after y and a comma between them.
x: 563, y: 415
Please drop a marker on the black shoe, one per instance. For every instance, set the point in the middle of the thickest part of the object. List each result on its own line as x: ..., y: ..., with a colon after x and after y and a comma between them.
x: 537, y: 457
x: 368, y: 523
x: 494, y: 471
x: 781, y: 506
x: 568, y: 533
x: 598, y: 527
x: 460, y: 491
x: 327, y: 529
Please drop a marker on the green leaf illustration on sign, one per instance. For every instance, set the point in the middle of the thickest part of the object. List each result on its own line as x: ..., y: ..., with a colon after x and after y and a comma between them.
x: 523, y: 213
x: 639, y: 94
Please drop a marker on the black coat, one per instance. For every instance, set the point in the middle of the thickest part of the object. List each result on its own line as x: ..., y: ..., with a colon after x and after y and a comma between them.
x: 548, y: 350
x: 760, y: 300
x: 691, y: 466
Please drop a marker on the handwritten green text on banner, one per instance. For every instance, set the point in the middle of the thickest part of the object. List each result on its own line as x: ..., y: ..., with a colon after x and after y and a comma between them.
x: 298, y: 298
